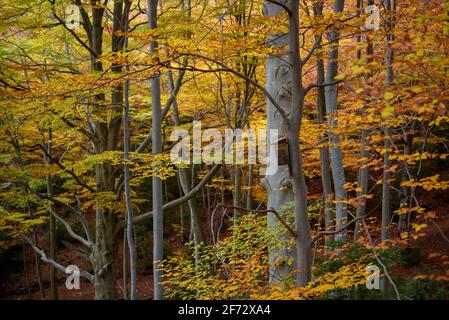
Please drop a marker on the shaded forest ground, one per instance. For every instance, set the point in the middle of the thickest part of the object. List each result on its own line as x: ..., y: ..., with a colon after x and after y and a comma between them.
x: 18, y: 284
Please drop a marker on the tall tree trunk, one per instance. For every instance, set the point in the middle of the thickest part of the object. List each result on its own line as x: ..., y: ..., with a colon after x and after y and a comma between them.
x: 130, y: 236
x: 156, y: 131
x: 107, y: 139
x: 324, y: 153
x: 336, y: 155
x: 303, y: 237
x: 129, y: 209
x: 278, y: 186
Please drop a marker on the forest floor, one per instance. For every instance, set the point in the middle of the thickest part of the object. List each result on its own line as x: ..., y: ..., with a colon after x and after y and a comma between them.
x: 18, y: 284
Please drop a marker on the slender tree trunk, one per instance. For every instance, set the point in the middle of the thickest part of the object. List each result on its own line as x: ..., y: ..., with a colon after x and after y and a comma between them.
x: 156, y: 131
x: 336, y: 155
x: 129, y: 209
x: 324, y: 153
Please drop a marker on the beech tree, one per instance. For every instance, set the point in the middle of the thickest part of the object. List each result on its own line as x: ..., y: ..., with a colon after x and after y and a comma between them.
x: 356, y: 91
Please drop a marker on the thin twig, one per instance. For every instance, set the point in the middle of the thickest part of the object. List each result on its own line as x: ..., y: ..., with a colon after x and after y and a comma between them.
x: 290, y: 230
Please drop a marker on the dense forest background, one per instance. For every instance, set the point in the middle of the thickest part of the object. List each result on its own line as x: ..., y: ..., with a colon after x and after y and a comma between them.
x: 93, y: 93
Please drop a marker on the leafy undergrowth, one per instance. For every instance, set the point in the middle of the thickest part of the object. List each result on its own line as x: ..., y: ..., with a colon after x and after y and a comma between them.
x: 237, y: 266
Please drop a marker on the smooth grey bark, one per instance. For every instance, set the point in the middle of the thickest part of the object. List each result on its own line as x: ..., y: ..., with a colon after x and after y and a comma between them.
x: 324, y: 152
x: 156, y: 148
x: 129, y: 209
x: 130, y: 239
x: 291, y: 92
x: 336, y: 155
x: 179, y: 201
x: 278, y: 186
x: 326, y: 179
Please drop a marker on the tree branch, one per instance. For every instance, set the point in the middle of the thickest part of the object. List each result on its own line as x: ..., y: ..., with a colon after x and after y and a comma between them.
x: 174, y: 203
x: 77, y: 250
x: 55, y: 264
x: 254, y: 83
x: 167, y: 106
x: 280, y: 4
x: 83, y: 220
x: 290, y: 230
x: 73, y: 33
x: 321, y: 85
x: 328, y: 233
x: 398, y: 296
x: 61, y: 166
x: 74, y: 235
